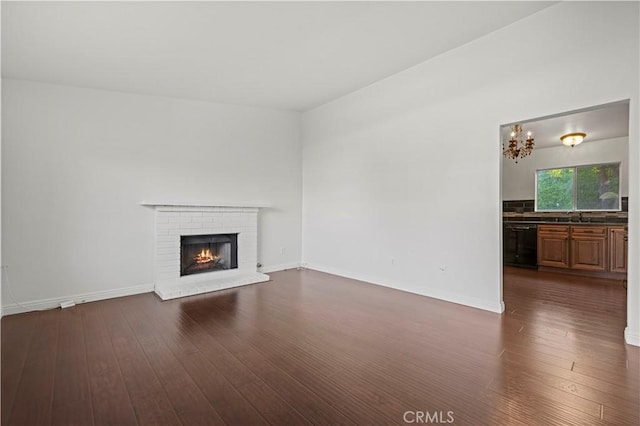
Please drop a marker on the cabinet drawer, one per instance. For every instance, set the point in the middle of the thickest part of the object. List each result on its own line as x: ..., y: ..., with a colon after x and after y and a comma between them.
x: 589, y: 230
x: 554, y: 229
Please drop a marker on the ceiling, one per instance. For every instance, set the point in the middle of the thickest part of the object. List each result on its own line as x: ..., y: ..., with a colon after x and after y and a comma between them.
x: 600, y: 123
x: 286, y: 55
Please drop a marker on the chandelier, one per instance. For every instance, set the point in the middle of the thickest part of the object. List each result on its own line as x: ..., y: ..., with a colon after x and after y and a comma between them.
x: 518, y: 147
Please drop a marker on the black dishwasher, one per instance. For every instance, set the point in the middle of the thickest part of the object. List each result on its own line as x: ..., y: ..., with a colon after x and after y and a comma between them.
x: 520, y: 245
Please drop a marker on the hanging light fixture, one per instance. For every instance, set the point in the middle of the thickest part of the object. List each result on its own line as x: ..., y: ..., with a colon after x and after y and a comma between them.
x: 518, y: 147
x: 573, y: 139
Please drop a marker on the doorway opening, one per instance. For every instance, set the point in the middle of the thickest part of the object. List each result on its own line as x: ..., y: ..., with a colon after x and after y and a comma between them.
x: 564, y: 212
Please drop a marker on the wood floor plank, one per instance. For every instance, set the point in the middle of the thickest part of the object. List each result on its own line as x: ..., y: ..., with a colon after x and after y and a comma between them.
x: 270, y: 405
x: 307, y: 403
x: 17, y: 331
x: 71, y: 391
x: 615, y: 375
x: 32, y: 404
x: 109, y: 397
x: 324, y: 379
x: 190, y: 404
x: 538, y: 410
x: 76, y: 413
x: 147, y: 395
x: 221, y: 394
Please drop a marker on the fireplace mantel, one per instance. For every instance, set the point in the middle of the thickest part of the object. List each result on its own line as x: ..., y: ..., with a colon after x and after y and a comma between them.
x: 198, y: 204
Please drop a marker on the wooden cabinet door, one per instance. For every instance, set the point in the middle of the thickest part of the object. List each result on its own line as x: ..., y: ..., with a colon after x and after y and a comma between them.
x: 589, y: 247
x: 617, y: 250
x: 553, y: 246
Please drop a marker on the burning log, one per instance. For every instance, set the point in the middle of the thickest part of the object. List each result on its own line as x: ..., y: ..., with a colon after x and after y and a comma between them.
x: 205, y: 256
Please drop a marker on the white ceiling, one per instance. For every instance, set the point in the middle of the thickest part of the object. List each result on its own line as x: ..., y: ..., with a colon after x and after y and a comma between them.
x: 289, y: 55
x: 601, y: 123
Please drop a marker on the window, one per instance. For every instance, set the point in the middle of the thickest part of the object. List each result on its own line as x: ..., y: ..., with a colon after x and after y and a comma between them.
x: 593, y: 187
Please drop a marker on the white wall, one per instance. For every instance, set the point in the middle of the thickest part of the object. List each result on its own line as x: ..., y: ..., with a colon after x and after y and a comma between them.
x: 78, y: 162
x: 413, y: 161
x: 518, y: 180
x: 1, y: 263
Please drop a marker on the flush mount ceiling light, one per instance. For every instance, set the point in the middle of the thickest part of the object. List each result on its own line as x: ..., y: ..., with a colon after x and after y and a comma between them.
x: 573, y: 139
x: 518, y: 147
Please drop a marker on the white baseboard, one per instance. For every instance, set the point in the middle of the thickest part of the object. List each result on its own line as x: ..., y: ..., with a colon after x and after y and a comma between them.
x: 281, y: 267
x: 631, y: 338
x: 473, y: 302
x: 38, y: 305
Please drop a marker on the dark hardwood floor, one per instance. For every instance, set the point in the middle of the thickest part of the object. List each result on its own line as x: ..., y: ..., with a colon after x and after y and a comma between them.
x: 312, y: 348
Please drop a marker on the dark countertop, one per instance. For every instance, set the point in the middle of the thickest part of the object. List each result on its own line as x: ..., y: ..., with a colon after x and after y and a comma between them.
x: 603, y: 218
x: 551, y: 222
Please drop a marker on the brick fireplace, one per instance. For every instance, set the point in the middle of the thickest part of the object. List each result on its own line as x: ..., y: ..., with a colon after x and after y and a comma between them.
x: 210, y: 226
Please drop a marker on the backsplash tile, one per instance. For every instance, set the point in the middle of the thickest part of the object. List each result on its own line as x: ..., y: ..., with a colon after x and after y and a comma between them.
x: 518, y: 206
x: 523, y: 210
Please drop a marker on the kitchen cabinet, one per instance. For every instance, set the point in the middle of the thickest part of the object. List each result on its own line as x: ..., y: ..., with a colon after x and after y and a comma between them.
x: 583, y: 247
x: 553, y: 245
x: 617, y: 249
x: 589, y: 248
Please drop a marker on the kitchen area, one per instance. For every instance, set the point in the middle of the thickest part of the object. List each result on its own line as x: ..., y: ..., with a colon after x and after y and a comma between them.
x: 578, y: 242
x: 565, y: 193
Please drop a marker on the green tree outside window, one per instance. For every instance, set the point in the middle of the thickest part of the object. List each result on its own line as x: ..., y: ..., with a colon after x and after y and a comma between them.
x: 593, y: 187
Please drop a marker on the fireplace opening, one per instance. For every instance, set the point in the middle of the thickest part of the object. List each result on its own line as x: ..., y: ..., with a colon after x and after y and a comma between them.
x: 208, y: 253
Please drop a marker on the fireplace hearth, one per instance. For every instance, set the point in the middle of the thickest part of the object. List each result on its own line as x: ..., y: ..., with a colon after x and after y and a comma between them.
x: 208, y: 253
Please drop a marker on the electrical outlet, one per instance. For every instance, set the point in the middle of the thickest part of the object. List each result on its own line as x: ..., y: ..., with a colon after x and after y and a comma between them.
x: 393, y: 260
x: 283, y: 250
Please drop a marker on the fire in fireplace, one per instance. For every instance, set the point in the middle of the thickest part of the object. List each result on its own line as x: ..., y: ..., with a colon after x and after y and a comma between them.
x: 208, y: 253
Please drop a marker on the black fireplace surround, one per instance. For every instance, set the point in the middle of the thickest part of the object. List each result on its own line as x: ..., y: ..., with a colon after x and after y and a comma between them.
x: 208, y: 253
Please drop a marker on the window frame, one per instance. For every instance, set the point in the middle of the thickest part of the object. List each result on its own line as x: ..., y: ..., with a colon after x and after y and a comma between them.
x: 575, y: 188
